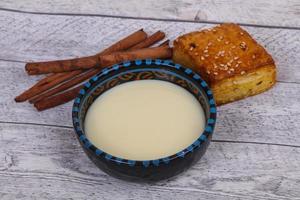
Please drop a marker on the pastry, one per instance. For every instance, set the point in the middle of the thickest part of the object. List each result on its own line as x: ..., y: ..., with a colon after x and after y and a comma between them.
x: 233, y: 64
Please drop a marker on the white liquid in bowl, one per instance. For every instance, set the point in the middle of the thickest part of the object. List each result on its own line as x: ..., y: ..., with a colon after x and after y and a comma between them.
x: 144, y: 120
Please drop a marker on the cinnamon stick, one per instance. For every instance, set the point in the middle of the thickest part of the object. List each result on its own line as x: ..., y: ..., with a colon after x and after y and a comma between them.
x: 71, y: 94
x: 64, y: 86
x: 37, y: 89
x: 86, y: 62
x: 145, y: 43
x: 155, y: 52
x: 41, y: 67
x: 165, y: 43
x: 152, y: 39
x: 120, y: 45
x: 58, y: 99
x: 55, y: 79
x: 107, y: 60
x: 49, y: 78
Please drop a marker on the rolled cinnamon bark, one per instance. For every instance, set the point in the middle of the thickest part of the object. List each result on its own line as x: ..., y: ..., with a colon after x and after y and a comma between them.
x: 154, y: 38
x: 49, y: 78
x: 52, y: 101
x: 35, y: 90
x: 90, y: 61
x: 57, y: 78
x: 165, y: 43
x: 57, y: 99
x: 65, y: 86
x: 155, y: 52
x: 104, y: 60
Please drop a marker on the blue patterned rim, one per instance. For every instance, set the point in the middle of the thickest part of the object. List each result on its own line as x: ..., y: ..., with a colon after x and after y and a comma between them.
x: 210, y: 124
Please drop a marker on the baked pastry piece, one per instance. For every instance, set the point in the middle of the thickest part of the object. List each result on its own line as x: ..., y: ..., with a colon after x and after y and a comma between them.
x: 229, y: 59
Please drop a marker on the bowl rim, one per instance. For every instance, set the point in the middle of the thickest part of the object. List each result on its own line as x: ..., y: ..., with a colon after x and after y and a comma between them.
x: 173, y: 67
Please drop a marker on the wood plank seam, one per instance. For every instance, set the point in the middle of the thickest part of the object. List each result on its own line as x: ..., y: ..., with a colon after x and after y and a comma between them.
x: 148, y: 18
x: 213, y: 140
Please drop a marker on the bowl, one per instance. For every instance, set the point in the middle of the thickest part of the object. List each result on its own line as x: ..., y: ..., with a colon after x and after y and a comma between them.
x: 145, y: 170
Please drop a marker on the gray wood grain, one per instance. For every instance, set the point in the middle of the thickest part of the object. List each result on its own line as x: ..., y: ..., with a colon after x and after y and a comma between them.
x: 271, y: 117
x: 35, y: 37
x: 26, y: 37
x: 46, y: 162
x: 262, y: 12
x: 256, y: 150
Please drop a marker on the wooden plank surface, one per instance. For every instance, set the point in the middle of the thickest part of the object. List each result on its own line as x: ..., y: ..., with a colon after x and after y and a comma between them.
x: 25, y: 37
x: 239, y: 121
x: 261, y: 12
x: 255, y: 152
x: 52, y: 164
x: 65, y: 36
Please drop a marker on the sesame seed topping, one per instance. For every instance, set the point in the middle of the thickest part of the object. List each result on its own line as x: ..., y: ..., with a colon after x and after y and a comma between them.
x: 205, y: 51
x: 216, y: 73
x: 241, y: 33
x: 237, y: 65
x: 234, y: 82
x: 176, y: 40
x: 233, y: 47
x: 239, y: 62
x: 225, y: 68
x: 220, y: 53
x: 206, y: 55
x: 231, y: 69
x: 196, y: 54
x: 215, y: 66
x: 214, y: 30
x: 202, y: 58
x: 253, y: 56
x: 243, y: 72
x: 222, y: 65
x: 229, y: 64
x: 226, y: 42
x: 243, y: 46
x: 191, y: 48
x: 208, y: 72
x: 219, y: 40
x: 209, y: 44
x: 216, y: 57
x: 236, y: 58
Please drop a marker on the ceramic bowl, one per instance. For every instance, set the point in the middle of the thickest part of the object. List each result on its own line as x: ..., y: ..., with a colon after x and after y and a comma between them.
x: 145, y: 170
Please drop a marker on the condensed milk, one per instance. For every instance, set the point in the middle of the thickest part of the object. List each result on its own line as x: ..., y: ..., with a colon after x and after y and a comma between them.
x: 144, y: 120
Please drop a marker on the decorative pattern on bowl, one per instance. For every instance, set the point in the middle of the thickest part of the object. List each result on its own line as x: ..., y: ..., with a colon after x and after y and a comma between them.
x: 166, y: 70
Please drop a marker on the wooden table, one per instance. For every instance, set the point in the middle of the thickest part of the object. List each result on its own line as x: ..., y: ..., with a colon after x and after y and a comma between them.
x: 255, y: 153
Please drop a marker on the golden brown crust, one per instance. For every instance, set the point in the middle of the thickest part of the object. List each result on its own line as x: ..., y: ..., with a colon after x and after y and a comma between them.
x: 221, y: 52
x: 229, y: 59
x: 242, y: 86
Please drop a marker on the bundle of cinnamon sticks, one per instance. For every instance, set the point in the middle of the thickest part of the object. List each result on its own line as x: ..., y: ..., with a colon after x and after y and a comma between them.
x: 64, y: 77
